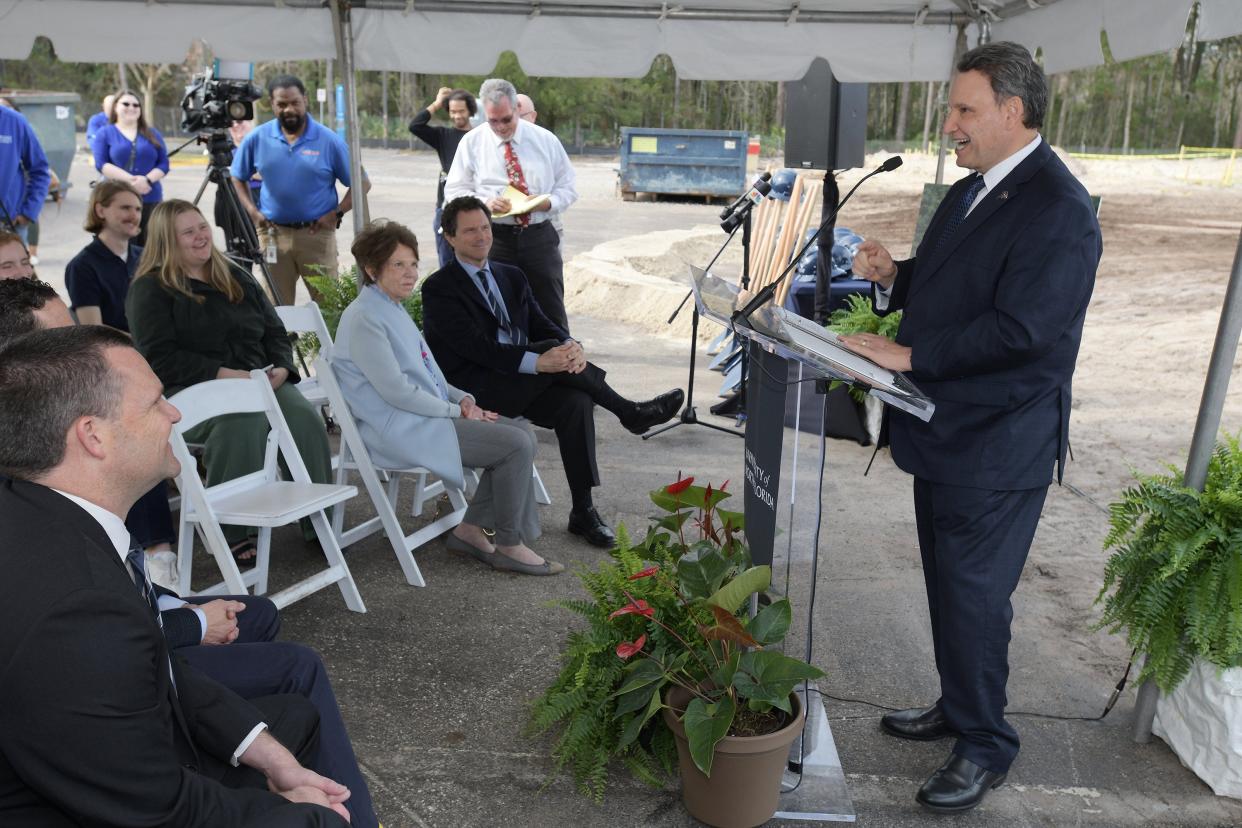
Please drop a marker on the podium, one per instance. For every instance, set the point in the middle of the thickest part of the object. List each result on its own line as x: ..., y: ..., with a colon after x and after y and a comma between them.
x: 781, y: 343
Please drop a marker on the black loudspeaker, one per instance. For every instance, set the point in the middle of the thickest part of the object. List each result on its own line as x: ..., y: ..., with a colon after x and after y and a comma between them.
x: 825, y: 121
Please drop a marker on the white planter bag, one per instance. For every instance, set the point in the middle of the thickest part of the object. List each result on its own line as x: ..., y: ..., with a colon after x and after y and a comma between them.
x: 1201, y: 720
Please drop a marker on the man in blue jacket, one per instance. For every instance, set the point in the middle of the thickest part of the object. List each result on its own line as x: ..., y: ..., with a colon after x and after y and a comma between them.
x: 993, y: 306
x: 24, y: 174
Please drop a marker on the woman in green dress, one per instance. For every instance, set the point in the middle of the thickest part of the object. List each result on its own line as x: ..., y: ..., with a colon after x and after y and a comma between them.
x: 196, y: 317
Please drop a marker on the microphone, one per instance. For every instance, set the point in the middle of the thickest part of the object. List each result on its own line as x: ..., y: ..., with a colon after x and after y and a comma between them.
x: 769, y: 290
x: 733, y: 215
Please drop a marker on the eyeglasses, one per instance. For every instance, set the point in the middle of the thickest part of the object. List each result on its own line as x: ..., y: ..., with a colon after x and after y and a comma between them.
x: 130, y: 104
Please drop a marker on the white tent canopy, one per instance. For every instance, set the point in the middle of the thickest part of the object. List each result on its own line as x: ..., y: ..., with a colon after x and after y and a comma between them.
x: 863, y: 40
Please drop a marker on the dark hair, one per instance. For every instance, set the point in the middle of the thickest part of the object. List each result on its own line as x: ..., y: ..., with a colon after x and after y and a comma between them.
x: 48, y: 379
x: 19, y: 299
x: 285, y: 82
x: 459, y: 205
x: 1013, y: 73
x: 472, y: 106
x: 376, y: 243
x: 143, y: 126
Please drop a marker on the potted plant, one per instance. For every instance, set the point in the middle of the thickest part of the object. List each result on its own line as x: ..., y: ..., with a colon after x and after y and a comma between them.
x: 670, y: 664
x: 1174, y: 585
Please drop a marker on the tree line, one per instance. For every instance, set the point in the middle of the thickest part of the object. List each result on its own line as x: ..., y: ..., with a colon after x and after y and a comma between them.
x: 1191, y: 96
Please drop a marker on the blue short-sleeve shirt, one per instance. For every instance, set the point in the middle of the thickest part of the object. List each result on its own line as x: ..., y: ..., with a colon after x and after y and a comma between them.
x: 299, y: 179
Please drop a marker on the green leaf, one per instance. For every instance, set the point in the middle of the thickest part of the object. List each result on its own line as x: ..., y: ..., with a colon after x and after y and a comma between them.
x: 701, y: 572
x: 706, y: 724
x: 635, y: 699
x: 736, y: 520
x: 771, y: 623
x: 769, y: 676
x: 694, y: 497
x: 672, y: 521
x: 732, y: 595
x: 722, y: 676
x: 645, y: 672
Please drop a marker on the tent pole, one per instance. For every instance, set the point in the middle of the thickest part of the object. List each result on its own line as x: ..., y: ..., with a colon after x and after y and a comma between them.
x: 1202, y: 444
x: 343, y: 29
x: 959, y: 49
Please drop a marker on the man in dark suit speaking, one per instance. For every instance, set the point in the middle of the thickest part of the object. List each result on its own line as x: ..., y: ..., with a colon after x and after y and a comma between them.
x: 492, y: 339
x: 98, y: 726
x: 993, y: 306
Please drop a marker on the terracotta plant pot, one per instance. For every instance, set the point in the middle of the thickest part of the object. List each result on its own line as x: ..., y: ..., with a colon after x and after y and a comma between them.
x: 744, y: 787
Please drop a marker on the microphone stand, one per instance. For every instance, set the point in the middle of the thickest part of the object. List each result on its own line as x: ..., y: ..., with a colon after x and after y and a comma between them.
x: 688, y: 415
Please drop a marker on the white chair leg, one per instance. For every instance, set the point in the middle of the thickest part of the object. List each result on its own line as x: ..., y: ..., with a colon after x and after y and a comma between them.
x: 263, y: 561
x: 336, y: 560
x: 541, y: 491
x: 185, y: 553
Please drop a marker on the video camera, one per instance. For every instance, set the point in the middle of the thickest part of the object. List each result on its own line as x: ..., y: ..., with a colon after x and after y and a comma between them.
x: 219, y: 96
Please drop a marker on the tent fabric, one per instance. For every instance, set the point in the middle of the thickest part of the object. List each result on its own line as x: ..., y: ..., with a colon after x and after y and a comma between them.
x: 863, y: 40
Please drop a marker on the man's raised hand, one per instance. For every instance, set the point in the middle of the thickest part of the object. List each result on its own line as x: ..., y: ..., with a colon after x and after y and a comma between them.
x: 873, y: 263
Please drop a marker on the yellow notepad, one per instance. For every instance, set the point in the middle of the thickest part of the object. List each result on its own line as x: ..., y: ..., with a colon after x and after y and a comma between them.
x: 519, y: 202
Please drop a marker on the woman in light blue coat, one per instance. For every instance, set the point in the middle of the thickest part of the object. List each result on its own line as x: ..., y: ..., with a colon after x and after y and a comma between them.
x: 409, y: 415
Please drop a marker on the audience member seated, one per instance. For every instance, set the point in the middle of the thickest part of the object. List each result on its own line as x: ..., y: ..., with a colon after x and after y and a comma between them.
x: 409, y: 415
x: 493, y: 340
x: 197, y: 317
x: 98, y: 724
x: 97, y: 280
x: 14, y: 258
x: 256, y: 664
x: 130, y: 149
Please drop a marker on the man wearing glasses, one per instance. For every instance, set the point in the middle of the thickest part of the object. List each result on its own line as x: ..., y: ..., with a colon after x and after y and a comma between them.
x: 511, y: 152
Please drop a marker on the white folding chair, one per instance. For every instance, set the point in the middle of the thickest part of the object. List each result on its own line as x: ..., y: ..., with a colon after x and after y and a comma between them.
x: 383, y: 486
x: 307, y: 318
x: 257, y: 499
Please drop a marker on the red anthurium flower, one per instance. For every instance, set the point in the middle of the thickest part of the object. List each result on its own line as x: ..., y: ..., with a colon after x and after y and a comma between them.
x: 680, y: 486
x: 646, y: 573
x: 637, y: 607
x: 724, y: 485
x: 628, y: 648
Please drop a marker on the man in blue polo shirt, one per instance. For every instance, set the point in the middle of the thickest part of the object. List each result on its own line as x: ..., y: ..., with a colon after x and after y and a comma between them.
x: 24, y: 174
x: 300, y: 162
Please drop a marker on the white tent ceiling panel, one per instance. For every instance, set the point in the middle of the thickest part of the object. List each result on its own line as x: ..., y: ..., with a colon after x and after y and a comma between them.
x: 1068, y: 33
x: 1220, y: 18
x: 1144, y: 27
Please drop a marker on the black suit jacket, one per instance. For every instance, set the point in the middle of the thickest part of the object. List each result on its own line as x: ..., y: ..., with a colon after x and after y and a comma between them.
x: 462, y: 331
x: 994, y: 318
x: 91, y: 729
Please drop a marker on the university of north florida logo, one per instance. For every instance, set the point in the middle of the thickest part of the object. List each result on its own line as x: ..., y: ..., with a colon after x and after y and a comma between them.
x: 311, y: 152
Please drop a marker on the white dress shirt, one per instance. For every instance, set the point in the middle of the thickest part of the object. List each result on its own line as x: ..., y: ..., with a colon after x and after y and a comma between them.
x: 115, y: 529
x: 479, y: 168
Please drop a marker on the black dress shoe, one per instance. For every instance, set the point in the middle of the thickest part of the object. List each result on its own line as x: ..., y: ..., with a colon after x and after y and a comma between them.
x: 958, y: 785
x: 591, y: 526
x: 923, y: 724
x: 649, y: 414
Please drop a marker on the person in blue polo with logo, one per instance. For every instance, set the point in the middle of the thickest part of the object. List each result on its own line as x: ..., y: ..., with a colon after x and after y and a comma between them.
x: 24, y: 174
x: 300, y: 162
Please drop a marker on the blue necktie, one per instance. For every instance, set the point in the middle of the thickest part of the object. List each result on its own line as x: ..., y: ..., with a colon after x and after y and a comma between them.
x: 516, y: 336
x: 960, y: 209
x: 137, y: 560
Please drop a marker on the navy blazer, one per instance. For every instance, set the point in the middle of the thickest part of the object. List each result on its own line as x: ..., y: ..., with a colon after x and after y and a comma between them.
x: 463, y: 333
x: 91, y: 728
x: 994, y: 319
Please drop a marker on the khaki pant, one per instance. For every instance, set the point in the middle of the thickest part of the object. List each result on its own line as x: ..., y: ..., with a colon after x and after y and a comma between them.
x: 299, y: 252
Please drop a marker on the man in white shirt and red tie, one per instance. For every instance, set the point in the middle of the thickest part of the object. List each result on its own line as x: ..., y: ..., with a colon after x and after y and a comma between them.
x: 510, y: 151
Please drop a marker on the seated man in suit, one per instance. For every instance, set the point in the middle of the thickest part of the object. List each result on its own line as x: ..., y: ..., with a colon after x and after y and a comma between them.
x: 492, y: 339
x: 256, y: 664
x: 97, y: 723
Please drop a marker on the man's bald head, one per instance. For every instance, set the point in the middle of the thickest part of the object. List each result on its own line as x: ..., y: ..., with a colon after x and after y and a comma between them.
x: 526, y: 108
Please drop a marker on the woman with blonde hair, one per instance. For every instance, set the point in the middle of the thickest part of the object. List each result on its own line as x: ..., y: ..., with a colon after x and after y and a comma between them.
x: 131, y: 150
x: 196, y: 316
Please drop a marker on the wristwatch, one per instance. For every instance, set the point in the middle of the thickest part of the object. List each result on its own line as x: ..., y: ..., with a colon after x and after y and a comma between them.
x: 340, y: 216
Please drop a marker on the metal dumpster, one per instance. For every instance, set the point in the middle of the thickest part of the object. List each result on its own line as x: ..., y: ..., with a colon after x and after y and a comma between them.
x: 51, y: 114
x: 699, y: 162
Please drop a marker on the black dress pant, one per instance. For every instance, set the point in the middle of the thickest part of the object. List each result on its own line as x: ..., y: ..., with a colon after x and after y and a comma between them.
x: 566, y: 404
x: 536, y: 249
x: 974, y: 543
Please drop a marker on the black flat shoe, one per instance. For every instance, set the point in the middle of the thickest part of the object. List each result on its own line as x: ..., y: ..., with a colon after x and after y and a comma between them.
x: 647, y: 415
x: 591, y: 526
x: 923, y: 724
x: 958, y: 785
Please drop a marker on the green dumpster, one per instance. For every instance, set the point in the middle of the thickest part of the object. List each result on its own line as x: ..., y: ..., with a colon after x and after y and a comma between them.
x: 52, y: 116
